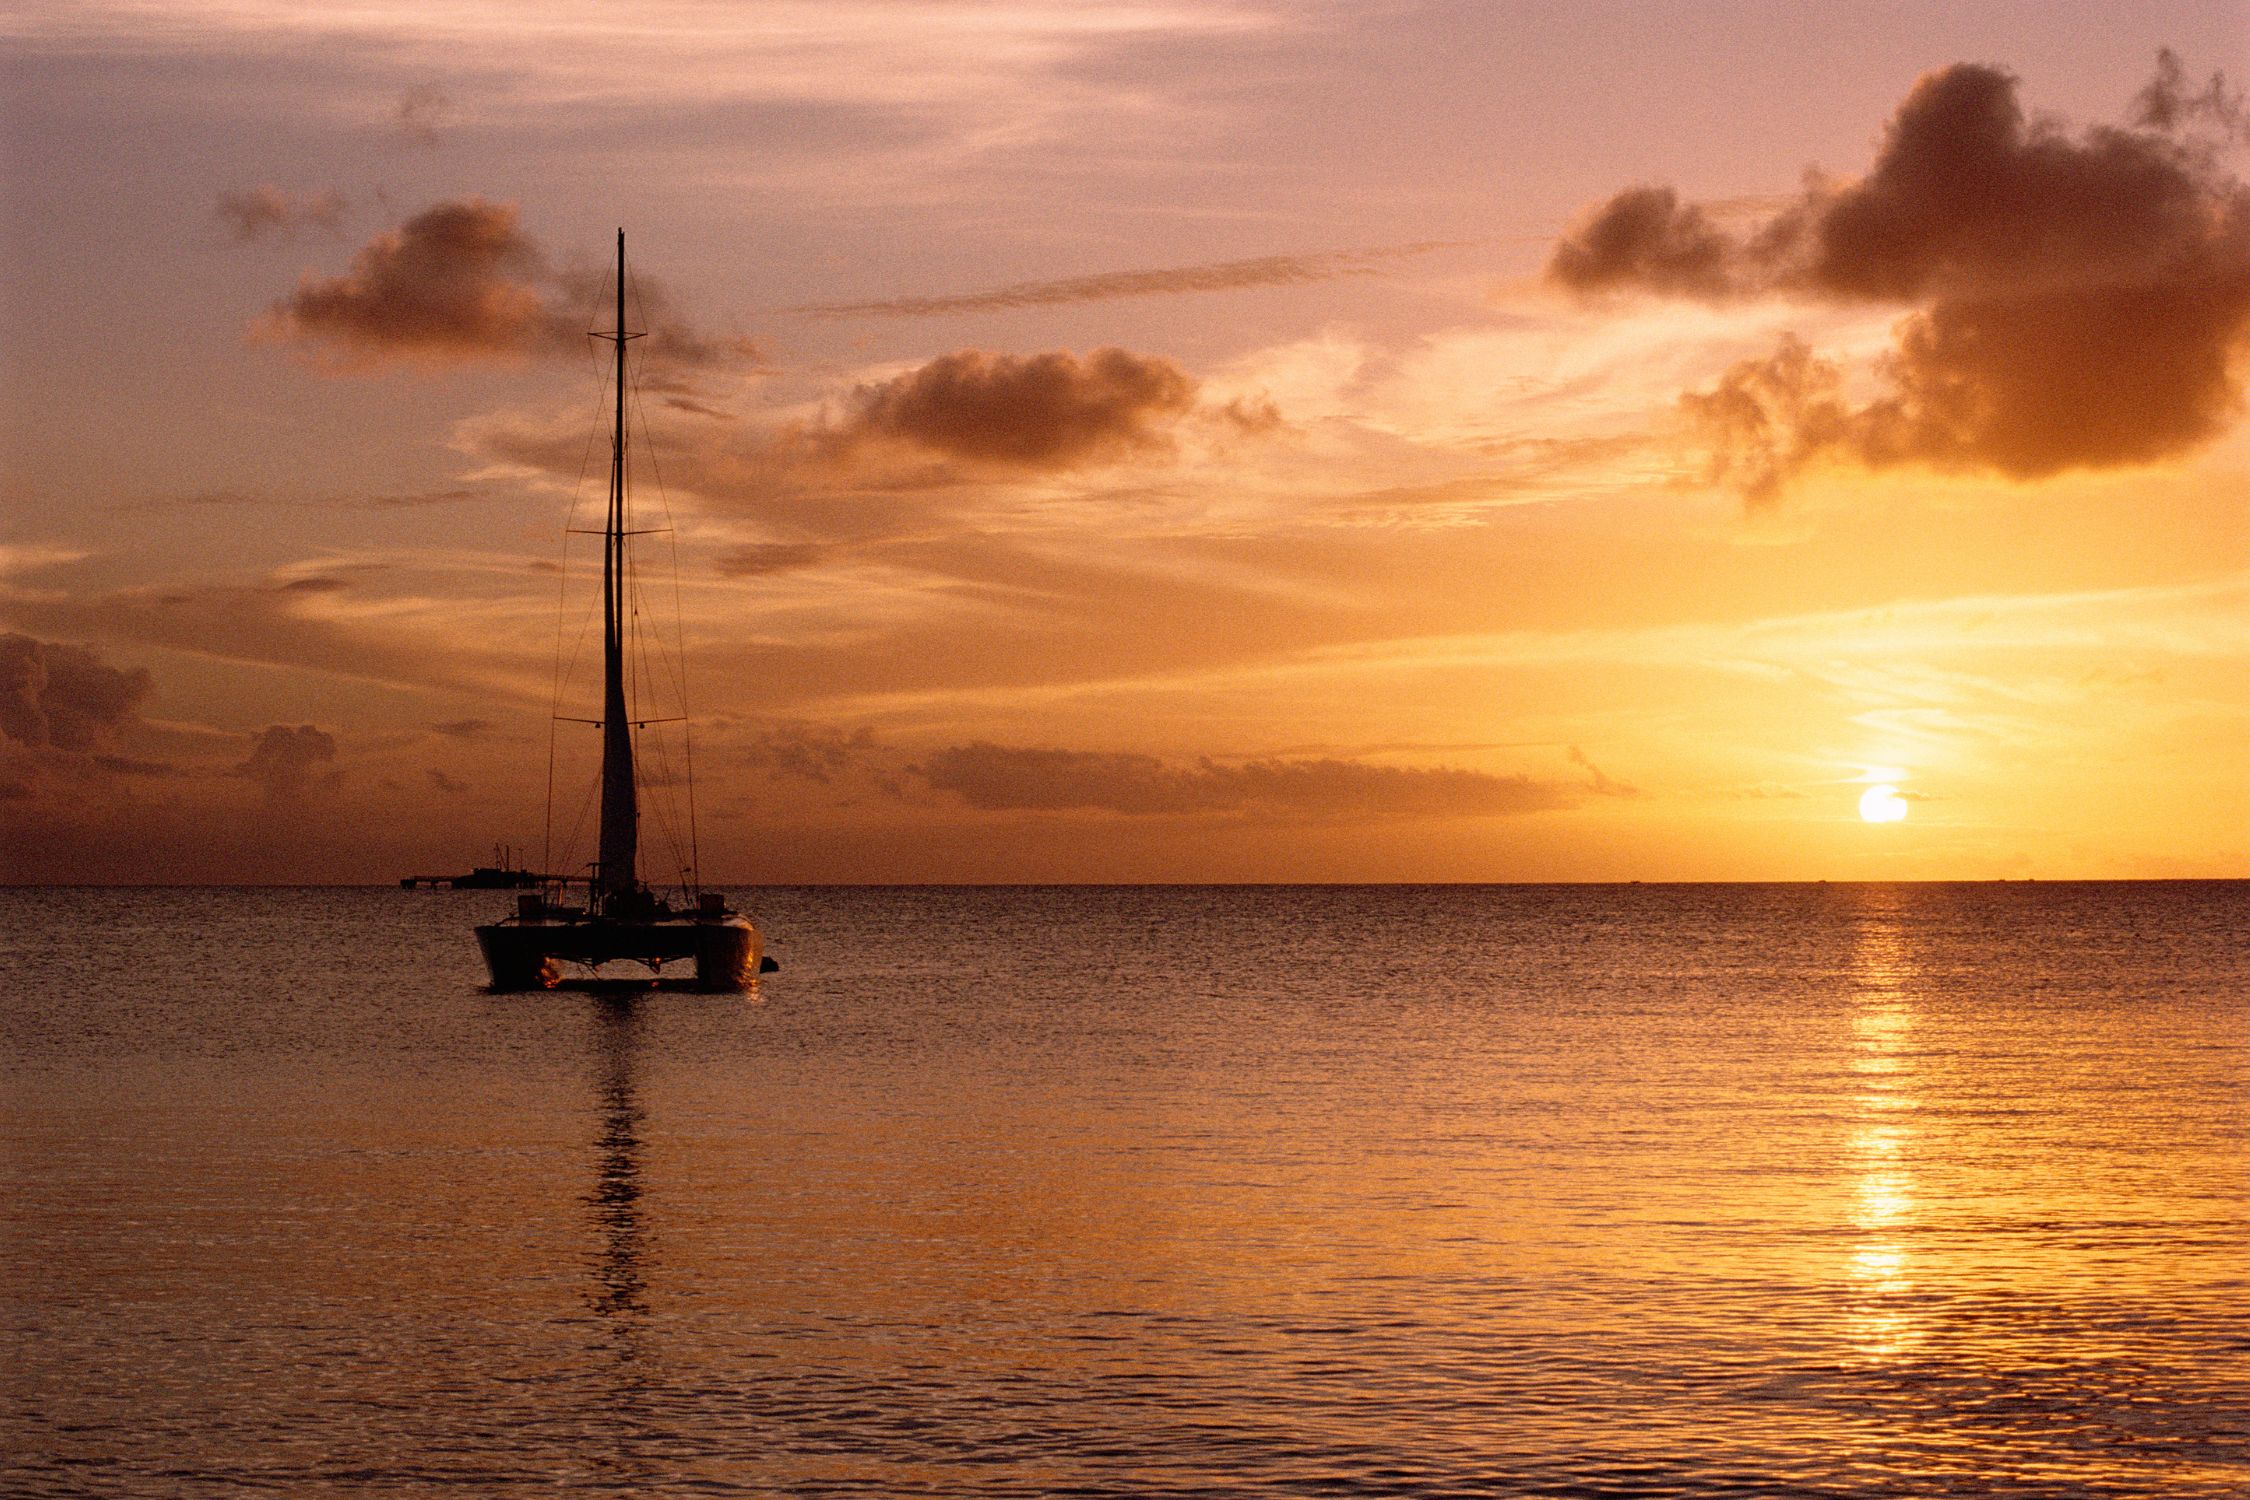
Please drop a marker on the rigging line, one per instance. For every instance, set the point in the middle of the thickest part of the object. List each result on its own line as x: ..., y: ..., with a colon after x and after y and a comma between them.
x: 662, y: 809
x: 679, y: 619
x: 562, y: 611
x: 664, y: 500
x: 568, y: 666
x: 662, y: 754
x: 667, y: 827
x: 578, y: 824
x: 653, y: 769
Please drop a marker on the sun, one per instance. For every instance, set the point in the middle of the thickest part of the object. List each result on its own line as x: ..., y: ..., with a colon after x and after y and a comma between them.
x: 1882, y: 804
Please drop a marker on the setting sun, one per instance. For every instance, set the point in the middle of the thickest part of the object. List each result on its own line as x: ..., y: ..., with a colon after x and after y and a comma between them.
x: 1882, y: 804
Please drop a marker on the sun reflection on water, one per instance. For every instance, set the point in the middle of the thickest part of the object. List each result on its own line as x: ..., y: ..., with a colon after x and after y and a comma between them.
x: 1881, y: 1149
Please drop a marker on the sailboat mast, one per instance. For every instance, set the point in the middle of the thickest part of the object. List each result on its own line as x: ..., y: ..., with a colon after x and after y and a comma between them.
x: 620, y: 811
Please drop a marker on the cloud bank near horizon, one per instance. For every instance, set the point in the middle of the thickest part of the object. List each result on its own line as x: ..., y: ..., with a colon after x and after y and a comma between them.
x: 1000, y: 778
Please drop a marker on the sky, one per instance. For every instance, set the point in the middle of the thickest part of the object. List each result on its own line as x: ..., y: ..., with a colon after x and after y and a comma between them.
x: 1131, y: 442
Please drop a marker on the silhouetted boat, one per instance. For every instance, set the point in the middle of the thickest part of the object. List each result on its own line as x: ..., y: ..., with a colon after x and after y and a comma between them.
x: 621, y: 919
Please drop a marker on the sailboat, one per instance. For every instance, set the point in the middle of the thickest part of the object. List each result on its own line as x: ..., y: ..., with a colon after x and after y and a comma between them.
x: 621, y: 919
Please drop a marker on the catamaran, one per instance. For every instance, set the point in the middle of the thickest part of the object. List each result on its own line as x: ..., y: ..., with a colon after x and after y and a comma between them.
x: 621, y: 919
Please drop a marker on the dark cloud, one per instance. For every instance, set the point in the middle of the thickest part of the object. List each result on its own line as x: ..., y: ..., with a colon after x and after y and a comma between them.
x: 1645, y: 237
x: 2171, y: 102
x: 463, y: 729
x: 809, y: 751
x: 421, y: 112
x: 1220, y: 276
x: 445, y: 783
x: 401, y: 500
x: 457, y: 282
x: 461, y: 283
x: 266, y: 209
x: 288, y: 763
x: 2074, y: 301
x: 882, y: 455
x: 671, y: 340
x: 128, y: 765
x: 1767, y: 417
x: 65, y: 697
x: 1036, y: 411
x: 418, y: 499
x: 1602, y: 782
x: 1003, y: 778
x: 757, y: 559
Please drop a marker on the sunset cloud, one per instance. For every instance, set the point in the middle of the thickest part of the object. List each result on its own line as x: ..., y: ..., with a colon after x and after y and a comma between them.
x: 421, y: 112
x: 411, y: 643
x: 461, y: 283
x: 873, y: 457
x: 290, y: 762
x: 758, y: 559
x: 810, y: 752
x: 457, y: 282
x: 1647, y: 238
x: 1217, y: 276
x: 1038, y: 411
x: 266, y: 209
x: 2171, y: 101
x: 997, y: 778
x: 2075, y: 301
x: 65, y: 697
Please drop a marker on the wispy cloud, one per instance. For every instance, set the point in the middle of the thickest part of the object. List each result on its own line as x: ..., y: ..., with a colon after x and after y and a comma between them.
x: 1001, y: 778
x: 422, y: 111
x: 268, y: 210
x: 395, y: 640
x: 1216, y: 276
x: 871, y: 458
x: 26, y: 557
x: 462, y: 283
x: 580, y: 52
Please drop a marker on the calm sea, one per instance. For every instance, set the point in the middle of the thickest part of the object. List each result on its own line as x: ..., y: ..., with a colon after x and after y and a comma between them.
x: 1780, y: 1190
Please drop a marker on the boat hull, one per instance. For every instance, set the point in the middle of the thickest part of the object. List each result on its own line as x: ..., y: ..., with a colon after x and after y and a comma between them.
x: 530, y: 953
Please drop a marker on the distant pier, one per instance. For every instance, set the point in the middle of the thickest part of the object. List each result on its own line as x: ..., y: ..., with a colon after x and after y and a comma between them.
x: 503, y: 874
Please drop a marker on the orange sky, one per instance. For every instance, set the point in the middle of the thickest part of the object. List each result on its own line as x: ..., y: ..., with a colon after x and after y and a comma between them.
x: 1138, y: 442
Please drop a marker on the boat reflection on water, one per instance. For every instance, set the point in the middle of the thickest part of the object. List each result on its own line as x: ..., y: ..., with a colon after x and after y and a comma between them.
x: 621, y: 1283
x: 1884, y: 1144
x: 625, y: 1394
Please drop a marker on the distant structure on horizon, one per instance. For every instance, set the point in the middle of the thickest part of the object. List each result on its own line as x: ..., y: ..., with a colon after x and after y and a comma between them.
x: 503, y: 874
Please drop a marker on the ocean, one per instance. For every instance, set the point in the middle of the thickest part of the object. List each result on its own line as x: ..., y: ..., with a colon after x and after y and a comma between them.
x: 1825, y: 1190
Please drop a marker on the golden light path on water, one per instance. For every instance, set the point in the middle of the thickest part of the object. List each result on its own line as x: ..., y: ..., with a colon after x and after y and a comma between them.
x: 1883, y: 1142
